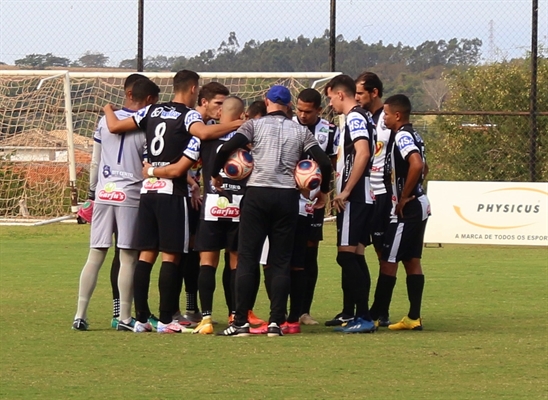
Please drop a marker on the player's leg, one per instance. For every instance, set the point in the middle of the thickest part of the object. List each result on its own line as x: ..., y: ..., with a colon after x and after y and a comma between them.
x: 252, y: 233
x: 385, y: 283
x: 114, y: 271
x: 297, y: 275
x: 412, y: 237
x: 100, y: 240
x: 147, y: 242
x: 172, y: 216
x: 311, y: 265
x: 230, y: 305
x: 126, y: 221
x: 209, y: 260
x: 353, y: 224
x: 284, y: 217
x: 191, y: 270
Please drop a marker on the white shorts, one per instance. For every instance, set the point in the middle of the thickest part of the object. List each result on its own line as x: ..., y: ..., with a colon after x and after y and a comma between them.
x: 108, y: 220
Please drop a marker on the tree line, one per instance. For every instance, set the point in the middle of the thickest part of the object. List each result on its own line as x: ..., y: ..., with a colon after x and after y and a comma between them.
x: 415, y: 71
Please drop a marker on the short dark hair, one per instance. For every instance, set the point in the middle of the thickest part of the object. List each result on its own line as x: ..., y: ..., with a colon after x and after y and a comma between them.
x: 344, y: 83
x: 131, y: 79
x: 184, y: 80
x: 143, y: 88
x: 258, y: 107
x: 370, y: 81
x: 399, y: 103
x: 210, y: 90
x: 310, y: 96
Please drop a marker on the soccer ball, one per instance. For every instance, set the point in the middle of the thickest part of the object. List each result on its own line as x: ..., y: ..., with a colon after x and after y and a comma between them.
x: 239, y: 165
x: 308, y: 175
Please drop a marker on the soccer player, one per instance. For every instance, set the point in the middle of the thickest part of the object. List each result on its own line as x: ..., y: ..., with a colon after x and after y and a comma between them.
x: 271, y: 204
x: 162, y: 219
x: 308, y: 111
x: 354, y: 199
x: 403, y: 239
x: 210, y: 100
x: 115, y: 266
x: 257, y: 109
x: 369, y: 91
x: 116, y: 205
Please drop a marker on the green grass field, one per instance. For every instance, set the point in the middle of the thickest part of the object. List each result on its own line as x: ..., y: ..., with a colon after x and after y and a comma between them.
x: 484, y: 313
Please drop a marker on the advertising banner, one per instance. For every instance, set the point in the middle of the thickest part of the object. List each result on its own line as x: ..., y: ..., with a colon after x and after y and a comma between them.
x: 502, y: 213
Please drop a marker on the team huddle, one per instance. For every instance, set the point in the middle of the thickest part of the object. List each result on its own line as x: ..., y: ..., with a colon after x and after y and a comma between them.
x: 159, y: 188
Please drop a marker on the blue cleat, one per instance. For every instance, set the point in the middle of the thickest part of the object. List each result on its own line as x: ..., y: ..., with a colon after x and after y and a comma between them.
x: 360, y: 326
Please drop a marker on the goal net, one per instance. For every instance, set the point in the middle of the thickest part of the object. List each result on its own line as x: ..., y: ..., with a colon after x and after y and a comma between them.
x: 47, y: 119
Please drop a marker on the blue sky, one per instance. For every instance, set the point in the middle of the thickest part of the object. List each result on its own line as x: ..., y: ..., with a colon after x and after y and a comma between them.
x: 69, y: 28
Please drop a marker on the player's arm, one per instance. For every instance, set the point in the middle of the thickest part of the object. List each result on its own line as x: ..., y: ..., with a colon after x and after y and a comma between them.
x: 426, y: 170
x: 361, y: 159
x: 168, y: 171
x: 116, y: 125
x: 237, y: 141
x: 215, y: 131
x: 324, y: 163
x: 94, y: 169
x: 414, y: 173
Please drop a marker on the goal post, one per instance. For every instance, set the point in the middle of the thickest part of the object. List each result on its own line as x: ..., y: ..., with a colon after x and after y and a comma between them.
x: 47, y: 120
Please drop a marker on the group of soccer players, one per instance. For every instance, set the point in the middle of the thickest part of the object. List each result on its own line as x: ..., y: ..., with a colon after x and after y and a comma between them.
x: 379, y: 162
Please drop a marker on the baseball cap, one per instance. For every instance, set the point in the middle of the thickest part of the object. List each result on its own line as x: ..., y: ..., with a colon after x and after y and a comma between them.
x: 279, y: 94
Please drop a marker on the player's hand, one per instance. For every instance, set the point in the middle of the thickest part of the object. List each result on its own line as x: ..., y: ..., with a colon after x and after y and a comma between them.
x: 91, y: 194
x: 195, y: 198
x: 109, y: 107
x: 217, y: 183
x: 401, y: 204
x: 339, y: 202
x: 321, y: 200
x: 146, y: 166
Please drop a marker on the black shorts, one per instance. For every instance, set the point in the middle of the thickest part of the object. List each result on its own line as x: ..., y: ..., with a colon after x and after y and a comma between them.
x: 353, y: 224
x: 299, y: 245
x: 162, y: 223
x: 403, y: 241
x: 316, y: 225
x: 216, y: 235
x: 193, y: 217
x: 380, y: 219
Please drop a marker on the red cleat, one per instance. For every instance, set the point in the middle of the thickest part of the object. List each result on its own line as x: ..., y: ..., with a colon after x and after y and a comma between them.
x: 289, y: 328
x: 261, y: 330
x: 253, y: 319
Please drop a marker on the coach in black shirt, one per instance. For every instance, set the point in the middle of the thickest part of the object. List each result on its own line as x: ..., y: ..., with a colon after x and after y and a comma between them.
x: 271, y: 204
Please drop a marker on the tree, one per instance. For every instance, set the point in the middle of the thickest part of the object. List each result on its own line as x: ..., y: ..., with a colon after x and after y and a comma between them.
x: 93, y: 60
x: 437, y: 90
x: 129, y: 63
x: 491, y: 148
x: 41, y: 61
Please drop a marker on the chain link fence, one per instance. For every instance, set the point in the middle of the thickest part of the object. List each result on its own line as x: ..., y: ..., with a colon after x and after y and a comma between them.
x: 469, y: 67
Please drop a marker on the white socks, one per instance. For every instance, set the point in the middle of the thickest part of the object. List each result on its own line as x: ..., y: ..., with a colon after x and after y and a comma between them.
x: 128, y: 261
x: 88, y: 280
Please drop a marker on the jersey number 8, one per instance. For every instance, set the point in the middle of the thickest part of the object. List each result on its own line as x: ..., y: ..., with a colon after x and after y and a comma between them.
x: 157, y: 143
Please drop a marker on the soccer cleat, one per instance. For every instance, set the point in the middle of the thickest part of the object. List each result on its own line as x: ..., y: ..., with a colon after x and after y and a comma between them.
x: 360, y: 326
x: 172, y: 327
x: 289, y: 328
x: 123, y: 326
x: 260, y: 330
x: 345, y: 325
x: 253, y: 319
x: 338, y: 320
x: 114, y: 323
x: 274, y: 330
x: 383, y: 321
x: 192, y: 319
x: 408, y: 324
x: 306, y: 319
x: 153, y: 320
x: 141, y: 327
x: 80, y: 324
x: 235, y: 331
x: 205, y: 327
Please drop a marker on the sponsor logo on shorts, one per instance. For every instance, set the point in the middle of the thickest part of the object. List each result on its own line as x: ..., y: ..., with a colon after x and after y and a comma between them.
x: 224, y: 209
x: 109, y: 193
x: 154, y: 184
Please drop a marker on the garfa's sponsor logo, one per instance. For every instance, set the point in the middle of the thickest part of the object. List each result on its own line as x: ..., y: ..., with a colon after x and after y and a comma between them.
x: 109, y: 193
x: 223, y: 209
x: 154, y: 184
